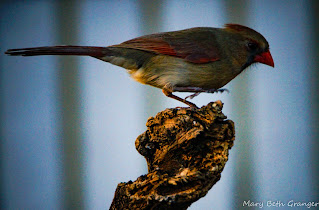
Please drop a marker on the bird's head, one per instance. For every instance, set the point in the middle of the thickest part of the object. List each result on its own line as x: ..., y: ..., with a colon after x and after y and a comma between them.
x: 254, y: 44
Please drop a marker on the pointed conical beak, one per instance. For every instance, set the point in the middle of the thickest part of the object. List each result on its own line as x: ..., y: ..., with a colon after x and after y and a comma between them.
x: 265, y: 58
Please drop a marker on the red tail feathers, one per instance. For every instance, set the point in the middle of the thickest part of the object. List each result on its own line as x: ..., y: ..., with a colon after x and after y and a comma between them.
x: 59, y: 50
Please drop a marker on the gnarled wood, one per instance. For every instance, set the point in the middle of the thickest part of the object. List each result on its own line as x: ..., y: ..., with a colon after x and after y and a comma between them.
x: 186, y: 150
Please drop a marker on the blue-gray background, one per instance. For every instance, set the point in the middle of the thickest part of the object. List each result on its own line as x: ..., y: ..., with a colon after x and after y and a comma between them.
x: 275, y: 110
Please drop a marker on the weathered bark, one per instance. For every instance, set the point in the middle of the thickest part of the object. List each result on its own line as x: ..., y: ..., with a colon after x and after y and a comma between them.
x: 186, y: 151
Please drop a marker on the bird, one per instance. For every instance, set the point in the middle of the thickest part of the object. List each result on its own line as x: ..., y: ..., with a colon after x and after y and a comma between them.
x: 195, y: 60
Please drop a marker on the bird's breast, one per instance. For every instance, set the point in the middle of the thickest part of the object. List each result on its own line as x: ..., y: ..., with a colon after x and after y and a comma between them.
x: 162, y: 70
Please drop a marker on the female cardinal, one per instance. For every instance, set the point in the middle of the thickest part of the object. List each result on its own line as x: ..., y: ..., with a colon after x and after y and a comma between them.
x: 201, y: 59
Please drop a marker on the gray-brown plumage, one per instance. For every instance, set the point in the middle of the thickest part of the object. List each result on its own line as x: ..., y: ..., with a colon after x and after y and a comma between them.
x: 201, y: 59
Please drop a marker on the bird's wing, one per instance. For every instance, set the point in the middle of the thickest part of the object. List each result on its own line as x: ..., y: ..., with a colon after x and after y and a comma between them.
x: 191, y: 45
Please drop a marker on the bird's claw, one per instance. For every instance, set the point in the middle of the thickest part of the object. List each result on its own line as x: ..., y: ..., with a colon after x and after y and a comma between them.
x: 193, y: 95
x: 220, y: 90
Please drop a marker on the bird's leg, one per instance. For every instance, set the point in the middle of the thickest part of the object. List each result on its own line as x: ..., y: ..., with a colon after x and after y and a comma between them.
x: 168, y: 91
x: 198, y: 91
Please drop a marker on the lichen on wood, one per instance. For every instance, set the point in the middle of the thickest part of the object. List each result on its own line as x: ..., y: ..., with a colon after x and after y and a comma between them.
x: 186, y: 150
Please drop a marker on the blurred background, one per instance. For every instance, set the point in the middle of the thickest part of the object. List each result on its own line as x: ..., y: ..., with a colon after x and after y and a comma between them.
x: 68, y: 125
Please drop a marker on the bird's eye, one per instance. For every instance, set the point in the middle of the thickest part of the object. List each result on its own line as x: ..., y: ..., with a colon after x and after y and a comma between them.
x: 252, y: 46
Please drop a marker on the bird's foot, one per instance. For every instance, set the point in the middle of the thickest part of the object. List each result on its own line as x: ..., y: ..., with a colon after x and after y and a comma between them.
x: 220, y: 90
x: 193, y: 95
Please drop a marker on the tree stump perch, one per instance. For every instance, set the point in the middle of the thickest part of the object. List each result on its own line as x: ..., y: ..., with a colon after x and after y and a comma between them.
x: 186, y: 150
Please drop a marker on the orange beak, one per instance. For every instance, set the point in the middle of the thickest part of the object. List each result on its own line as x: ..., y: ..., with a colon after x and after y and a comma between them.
x: 265, y: 58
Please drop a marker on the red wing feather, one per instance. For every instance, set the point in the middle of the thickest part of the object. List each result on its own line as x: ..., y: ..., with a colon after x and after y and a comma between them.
x: 156, y: 45
x: 194, y: 46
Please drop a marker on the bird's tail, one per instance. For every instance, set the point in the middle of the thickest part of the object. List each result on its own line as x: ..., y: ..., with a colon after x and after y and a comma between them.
x: 126, y: 58
x: 59, y: 50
